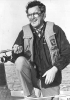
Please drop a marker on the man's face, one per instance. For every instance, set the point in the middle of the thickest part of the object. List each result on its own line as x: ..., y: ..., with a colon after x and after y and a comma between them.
x: 35, y: 16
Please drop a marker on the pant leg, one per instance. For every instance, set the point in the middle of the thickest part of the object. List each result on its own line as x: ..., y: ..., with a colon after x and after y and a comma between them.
x: 27, y: 75
x: 52, y: 91
x: 24, y: 73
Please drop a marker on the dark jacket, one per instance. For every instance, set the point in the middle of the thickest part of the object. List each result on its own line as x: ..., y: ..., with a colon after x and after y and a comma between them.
x: 64, y: 50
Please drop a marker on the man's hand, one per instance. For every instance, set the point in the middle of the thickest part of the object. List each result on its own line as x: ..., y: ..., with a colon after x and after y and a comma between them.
x: 50, y: 75
x: 17, y: 49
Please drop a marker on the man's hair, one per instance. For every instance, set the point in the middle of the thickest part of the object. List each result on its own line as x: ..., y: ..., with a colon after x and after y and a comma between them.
x: 34, y: 3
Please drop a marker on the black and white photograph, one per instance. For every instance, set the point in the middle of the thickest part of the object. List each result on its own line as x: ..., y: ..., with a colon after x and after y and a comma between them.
x: 34, y: 50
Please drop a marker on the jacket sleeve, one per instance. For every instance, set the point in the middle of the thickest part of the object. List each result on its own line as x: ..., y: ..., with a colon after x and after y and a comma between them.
x: 64, y: 49
x: 19, y: 41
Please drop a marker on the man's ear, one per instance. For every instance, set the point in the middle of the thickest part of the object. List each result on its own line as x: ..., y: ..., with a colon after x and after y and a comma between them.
x: 44, y: 16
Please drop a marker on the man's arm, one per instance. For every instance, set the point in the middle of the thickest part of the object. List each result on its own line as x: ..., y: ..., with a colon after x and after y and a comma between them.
x: 18, y: 48
x: 63, y: 61
x: 19, y: 42
x: 64, y: 49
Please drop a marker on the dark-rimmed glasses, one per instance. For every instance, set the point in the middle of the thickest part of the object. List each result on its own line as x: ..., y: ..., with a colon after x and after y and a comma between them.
x: 36, y: 14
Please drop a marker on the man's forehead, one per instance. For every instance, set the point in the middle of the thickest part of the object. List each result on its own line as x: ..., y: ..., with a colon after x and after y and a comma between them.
x: 33, y: 9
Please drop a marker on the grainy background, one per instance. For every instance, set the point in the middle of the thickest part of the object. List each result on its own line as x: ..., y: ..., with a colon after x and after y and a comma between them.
x: 14, y: 82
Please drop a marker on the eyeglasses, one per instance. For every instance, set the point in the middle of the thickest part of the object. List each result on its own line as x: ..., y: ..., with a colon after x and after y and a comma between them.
x: 36, y: 14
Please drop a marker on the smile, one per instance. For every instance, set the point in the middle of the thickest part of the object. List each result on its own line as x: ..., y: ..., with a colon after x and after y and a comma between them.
x: 34, y: 20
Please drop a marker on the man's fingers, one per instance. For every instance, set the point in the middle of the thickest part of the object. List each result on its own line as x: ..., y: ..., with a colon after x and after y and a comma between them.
x: 49, y: 79
x: 17, y: 49
x: 44, y: 74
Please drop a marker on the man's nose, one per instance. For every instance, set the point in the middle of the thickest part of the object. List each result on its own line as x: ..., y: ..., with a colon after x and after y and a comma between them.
x: 32, y: 16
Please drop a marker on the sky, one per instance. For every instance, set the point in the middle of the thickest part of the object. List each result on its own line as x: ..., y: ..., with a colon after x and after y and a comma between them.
x: 13, y: 17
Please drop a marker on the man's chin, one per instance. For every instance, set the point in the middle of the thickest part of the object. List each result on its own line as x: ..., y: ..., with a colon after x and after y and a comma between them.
x: 34, y: 25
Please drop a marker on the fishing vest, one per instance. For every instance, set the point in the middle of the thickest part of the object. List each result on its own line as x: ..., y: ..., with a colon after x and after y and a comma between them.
x: 50, y: 40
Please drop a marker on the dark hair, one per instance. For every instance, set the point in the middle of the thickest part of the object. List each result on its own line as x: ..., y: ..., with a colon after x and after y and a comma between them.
x: 41, y: 6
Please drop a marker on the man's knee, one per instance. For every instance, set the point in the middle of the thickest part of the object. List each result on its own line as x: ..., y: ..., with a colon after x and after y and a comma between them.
x: 21, y: 62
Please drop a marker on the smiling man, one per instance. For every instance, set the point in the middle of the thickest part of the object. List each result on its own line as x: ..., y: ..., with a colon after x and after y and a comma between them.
x: 41, y: 51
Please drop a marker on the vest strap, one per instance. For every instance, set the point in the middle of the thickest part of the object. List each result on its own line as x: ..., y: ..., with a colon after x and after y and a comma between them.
x: 28, y: 40
x: 50, y: 39
x: 51, y: 42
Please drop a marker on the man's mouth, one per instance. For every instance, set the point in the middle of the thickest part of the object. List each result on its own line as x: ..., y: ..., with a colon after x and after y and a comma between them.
x: 33, y: 21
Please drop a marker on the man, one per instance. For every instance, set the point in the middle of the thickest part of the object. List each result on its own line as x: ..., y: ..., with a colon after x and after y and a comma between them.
x: 42, y: 47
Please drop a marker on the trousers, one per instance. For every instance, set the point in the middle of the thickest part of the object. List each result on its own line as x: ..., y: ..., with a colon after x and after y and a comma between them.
x: 27, y: 76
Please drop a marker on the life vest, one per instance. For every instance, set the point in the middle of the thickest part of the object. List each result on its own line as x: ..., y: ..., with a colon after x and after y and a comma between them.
x: 50, y: 39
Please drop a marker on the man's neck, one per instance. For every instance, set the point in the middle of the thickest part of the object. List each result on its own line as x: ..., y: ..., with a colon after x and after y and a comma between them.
x: 39, y: 27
